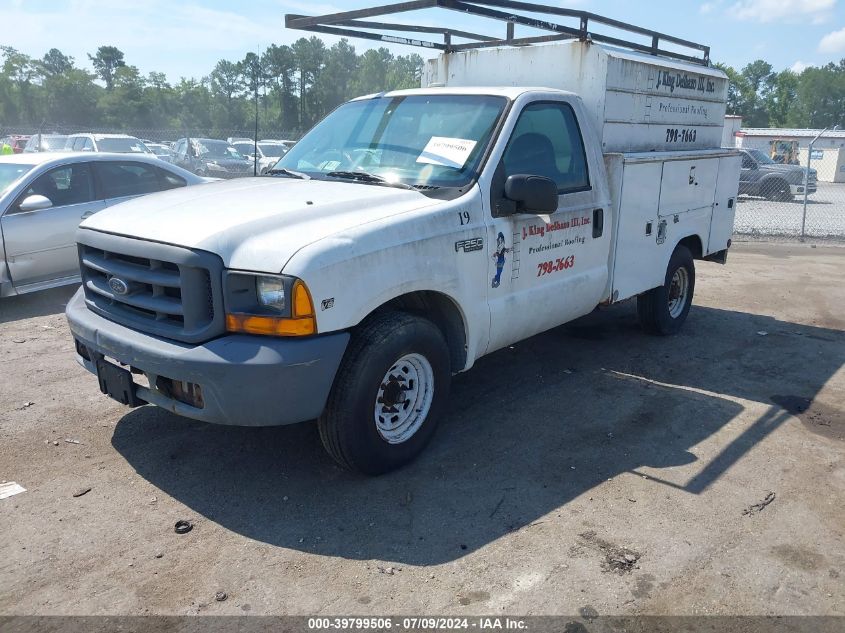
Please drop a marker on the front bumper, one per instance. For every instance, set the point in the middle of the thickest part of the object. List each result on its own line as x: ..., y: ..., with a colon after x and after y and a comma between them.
x: 798, y: 190
x: 245, y: 380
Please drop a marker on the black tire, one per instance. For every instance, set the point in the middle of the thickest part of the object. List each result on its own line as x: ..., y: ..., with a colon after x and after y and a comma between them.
x: 653, y: 306
x: 347, y: 425
x: 776, y: 189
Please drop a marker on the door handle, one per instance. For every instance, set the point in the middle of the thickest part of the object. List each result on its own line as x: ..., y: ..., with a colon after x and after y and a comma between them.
x: 598, y: 222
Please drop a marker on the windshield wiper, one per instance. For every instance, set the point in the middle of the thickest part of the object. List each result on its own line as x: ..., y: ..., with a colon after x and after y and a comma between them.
x: 364, y: 176
x: 283, y: 171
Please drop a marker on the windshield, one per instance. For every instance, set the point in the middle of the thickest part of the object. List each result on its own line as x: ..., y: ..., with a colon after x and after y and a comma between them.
x: 10, y: 172
x: 760, y: 157
x: 434, y: 140
x: 273, y: 150
x: 48, y: 142
x: 218, y: 149
x: 245, y: 148
x: 121, y: 145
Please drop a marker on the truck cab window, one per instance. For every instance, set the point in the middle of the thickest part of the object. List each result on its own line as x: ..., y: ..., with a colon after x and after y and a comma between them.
x: 546, y: 141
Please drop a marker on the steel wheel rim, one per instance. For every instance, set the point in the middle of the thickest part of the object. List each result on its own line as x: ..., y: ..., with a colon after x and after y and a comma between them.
x: 678, y: 291
x: 404, y: 398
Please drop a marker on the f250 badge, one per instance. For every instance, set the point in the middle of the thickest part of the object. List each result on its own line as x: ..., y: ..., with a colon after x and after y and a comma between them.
x: 472, y: 244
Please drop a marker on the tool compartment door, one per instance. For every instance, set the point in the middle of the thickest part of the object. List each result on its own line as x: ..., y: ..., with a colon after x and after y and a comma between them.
x: 724, y: 209
x: 687, y: 185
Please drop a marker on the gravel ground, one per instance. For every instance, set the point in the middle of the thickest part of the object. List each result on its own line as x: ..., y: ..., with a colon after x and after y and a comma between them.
x: 825, y: 215
x: 590, y: 469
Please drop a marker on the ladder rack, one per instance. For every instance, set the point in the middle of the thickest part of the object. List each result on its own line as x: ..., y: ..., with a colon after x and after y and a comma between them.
x: 525, y: 14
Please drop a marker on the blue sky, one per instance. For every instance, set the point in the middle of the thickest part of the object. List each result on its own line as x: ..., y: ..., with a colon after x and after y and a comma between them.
x: 186, y: 38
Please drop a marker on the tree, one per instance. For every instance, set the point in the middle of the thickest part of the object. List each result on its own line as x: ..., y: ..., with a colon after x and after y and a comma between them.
x: 21, y: 71
x: 309, y: 54
x: 334, y: 81
x: 280, y: 66
x: 106, y: 61
x: 781, y: 96
x: 374, y: 68
x: 55, y: 63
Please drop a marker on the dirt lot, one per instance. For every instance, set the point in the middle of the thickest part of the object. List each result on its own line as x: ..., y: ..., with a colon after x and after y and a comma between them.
x: 589, y: 469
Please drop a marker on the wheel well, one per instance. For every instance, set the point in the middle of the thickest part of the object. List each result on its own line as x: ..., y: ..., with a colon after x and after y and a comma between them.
x: 693, y: 243
x: 440, y: 310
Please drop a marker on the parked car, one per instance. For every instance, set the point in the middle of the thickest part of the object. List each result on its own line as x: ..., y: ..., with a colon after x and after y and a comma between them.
x: 44, y: 196
x: 211, y: 157
x: 16, y: 141
x: 45, y: 143
x: 115, y: 143
x: 161, y: 151
x: 268, y: 153
x: 762, y: 176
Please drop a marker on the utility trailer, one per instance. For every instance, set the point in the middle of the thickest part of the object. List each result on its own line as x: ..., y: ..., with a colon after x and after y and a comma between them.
x: 412, y: 232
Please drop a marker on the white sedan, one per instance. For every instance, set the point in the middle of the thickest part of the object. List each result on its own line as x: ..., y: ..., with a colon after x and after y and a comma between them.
x: 44, y: 197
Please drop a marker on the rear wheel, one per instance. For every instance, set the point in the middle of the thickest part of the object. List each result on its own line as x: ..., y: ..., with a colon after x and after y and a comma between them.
x: 389, y: 392
x: 664, y: 309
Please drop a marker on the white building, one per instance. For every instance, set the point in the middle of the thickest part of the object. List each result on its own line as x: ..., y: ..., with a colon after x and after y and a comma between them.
x: 828, y: 151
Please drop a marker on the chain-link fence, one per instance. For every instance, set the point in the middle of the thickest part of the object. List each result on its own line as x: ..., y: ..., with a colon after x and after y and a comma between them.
x: 779, y: 211
x: 781, y: 215
x: 156, y: 135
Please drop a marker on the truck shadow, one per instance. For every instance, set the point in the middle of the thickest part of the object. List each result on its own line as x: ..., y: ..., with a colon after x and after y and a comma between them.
x: 36, y: 304
x: 530, y: 429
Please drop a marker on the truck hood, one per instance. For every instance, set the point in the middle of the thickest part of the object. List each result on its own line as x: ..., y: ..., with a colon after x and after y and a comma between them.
x: 784, y: 169
x: 254, y: 223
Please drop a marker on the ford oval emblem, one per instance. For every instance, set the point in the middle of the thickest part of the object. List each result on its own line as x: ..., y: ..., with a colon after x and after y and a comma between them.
x: 118, y: 286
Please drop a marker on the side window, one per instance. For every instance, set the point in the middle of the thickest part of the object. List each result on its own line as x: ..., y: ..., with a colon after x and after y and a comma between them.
x: 180, y: 147
x: 63, y: 186
x: 121, y: 179
x: 747, y: 163
x: 546, y: 141
x: 88, y: 145
x: 169, y: 180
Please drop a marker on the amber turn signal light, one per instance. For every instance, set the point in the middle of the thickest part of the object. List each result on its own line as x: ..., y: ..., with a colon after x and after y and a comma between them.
x: 302, y: 321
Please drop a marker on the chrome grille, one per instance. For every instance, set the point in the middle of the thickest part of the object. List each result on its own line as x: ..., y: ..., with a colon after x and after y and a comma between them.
x: 166, y: 290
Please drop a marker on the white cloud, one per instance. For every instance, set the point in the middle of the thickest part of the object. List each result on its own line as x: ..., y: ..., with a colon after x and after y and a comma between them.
x: 152, y: 34
x: 709, y: 7
x: 782, y: 10
x: 798, y: 67
x: 833, y: 42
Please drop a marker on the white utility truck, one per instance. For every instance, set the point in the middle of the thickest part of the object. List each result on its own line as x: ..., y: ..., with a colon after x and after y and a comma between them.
x: 410, y: 233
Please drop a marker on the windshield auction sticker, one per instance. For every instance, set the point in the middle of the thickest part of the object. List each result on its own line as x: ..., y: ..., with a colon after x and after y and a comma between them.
x: 449, y: 152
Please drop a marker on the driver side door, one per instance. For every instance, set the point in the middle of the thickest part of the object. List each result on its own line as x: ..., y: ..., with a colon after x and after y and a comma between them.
x: 545, y: 268
x: 41, y: 244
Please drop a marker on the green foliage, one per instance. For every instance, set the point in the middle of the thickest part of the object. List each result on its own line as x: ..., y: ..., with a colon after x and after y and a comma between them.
x: 814, y: 98
x: 106, y: 62
x: 298, y: 84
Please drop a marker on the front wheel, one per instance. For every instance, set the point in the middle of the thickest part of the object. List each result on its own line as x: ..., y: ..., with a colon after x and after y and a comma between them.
x: 389, y: 392
x: 776, y: 189
x: 664, y: 309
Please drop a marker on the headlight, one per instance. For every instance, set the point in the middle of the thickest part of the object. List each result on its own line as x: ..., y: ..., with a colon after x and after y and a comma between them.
x: 274, y: 305
x: 270, y: 292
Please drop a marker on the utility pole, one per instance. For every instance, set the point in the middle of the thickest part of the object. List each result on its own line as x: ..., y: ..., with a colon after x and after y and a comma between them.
x: 256, y: 67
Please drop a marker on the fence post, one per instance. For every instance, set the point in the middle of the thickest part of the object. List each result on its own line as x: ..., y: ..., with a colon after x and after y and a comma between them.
x: 807, y: 180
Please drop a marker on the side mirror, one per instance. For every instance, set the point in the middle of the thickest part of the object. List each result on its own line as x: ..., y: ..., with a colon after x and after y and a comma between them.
x: 35, y: 203
x: 531, y: 193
